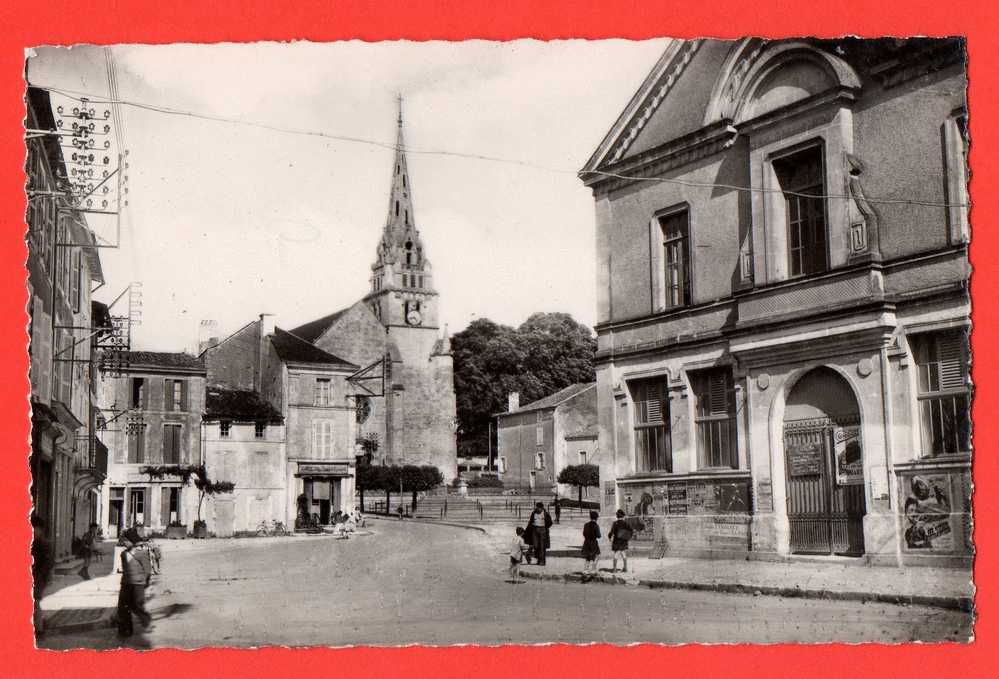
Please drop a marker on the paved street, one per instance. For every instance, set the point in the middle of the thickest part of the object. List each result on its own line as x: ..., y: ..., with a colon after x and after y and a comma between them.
x: 416, y: 583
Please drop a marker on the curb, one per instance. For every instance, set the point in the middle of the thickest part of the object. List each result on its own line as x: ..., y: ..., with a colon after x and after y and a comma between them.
x: 430, y: 522
x: 956, y: 603
x: 102, y: 622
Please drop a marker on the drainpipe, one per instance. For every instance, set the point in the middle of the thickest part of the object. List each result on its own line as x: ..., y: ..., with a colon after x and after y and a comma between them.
x: 886, y: 395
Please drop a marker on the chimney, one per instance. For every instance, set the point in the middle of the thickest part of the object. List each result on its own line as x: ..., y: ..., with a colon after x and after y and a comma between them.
x: 207, y: 335
x: 266, y: 324
x: 513, y: 401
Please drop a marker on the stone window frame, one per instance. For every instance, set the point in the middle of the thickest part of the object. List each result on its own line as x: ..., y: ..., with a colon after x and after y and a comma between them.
x: 635, y: 424
x: 657, y: 257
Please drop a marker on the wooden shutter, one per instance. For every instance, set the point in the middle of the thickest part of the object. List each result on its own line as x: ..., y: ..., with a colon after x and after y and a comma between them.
x: 140, y: 442
x: 168, y: 395
x: 951, y: 362
x: 144, y: 386
x: 315, y: 439
x: 183, y: 395
x: 716, y: 393
x: 164, y: 506
x: 650, y: 405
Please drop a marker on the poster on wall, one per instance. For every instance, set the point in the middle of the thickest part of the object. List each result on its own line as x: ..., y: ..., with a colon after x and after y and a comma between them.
x: 804, y: 459
x: 849, y: 459
x: 927, y: 508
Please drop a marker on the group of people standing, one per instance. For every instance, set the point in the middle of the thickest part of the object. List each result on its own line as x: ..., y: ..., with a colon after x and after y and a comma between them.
x: 535, y: 540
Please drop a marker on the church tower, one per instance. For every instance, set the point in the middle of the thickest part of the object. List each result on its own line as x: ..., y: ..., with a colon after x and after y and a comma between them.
x: 402, y: 292
x: 420, y: 408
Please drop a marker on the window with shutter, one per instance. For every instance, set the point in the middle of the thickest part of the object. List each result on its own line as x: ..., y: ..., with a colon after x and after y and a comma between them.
x: 168, y: 395
x: 676, y: 258
x: 944, y: 391
x: 715, y: 418
x: 652, y: 433
x: 172, y: 443
x: 74, y: 280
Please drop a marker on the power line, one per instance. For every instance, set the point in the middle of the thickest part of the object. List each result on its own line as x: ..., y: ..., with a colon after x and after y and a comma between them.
x: 475, y: 156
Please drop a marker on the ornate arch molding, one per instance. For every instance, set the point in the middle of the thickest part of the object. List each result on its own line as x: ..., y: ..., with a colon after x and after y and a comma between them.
x: 750, y: 64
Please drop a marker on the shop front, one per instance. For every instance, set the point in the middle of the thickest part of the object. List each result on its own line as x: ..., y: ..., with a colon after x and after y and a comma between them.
x: 321, y: 490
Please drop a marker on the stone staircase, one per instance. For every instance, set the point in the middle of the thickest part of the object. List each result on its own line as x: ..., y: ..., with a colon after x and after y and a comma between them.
x: 480, y: 509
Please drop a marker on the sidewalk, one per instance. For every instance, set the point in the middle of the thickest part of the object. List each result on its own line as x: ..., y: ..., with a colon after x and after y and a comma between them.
x: 820, y: 578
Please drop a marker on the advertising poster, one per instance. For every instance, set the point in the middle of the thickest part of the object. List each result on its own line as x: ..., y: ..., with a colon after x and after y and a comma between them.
x: 927, y: 508
x: 849, y: 459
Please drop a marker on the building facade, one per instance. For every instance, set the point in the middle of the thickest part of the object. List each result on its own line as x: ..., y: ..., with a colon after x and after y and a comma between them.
x: 536, y: 441
x: 67, y: 461
x: 244, y: 439
x: 153, y: 413
x: 783, y: 313
x: 395, y: 333
x: 307, y: 457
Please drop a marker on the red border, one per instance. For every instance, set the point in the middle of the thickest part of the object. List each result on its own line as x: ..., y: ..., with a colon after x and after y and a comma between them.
x: 60, y: 22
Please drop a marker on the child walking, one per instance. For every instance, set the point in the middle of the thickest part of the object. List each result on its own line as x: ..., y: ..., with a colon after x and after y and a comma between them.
x: 620, y: 534
x: 517, y: 550
x: 591, y: 548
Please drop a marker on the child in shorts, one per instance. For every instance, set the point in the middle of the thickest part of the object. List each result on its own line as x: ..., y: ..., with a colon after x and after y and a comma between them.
x: 517, y: 550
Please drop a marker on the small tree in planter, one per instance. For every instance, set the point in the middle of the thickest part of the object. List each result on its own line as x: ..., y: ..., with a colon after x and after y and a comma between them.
x: 581, y: 476
x: 202, y: 482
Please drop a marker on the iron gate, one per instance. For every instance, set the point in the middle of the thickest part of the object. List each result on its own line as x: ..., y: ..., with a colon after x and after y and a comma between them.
x: 825, y: 517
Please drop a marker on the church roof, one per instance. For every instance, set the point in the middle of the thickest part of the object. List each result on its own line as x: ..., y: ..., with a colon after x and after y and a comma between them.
x: 553, y: 400
x: 313, y: 330
x: 291, y: 348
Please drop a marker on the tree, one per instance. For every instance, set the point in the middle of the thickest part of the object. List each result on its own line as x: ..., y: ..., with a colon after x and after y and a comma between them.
x: 364, y: 477
x: 548, y: 352
x: 581, y: 476
x: 185, y: 473
x: 416, y: 479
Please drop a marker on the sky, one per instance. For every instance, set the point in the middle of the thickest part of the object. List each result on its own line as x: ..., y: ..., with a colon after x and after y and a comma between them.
x: 227, y: 221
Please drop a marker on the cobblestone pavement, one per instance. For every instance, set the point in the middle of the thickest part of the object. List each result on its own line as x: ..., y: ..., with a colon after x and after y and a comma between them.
x: 412, y: 583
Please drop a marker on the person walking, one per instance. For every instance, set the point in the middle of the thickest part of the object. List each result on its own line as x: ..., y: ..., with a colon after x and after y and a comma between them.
x: 41, y: 568
x: 87, y: 550
x: 135, y: 574
x: 620, y: 533
x: 517, y: 550
x: 536, y: 532
x: 558, y: 510
x: 591, y: 546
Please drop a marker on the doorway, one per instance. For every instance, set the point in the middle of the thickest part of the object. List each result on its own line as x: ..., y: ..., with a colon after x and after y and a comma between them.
x: 824, y: 466
x: 116, y: 512
x: 137, y: 506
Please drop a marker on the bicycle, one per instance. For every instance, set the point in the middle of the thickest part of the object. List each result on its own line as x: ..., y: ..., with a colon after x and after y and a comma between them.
x: 273, y: 528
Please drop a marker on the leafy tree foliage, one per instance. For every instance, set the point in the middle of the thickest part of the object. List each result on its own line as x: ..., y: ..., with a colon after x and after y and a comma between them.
x: 548, y: 352
x: 394, y: 478
x: 581, y: 476
x: 185, y: 472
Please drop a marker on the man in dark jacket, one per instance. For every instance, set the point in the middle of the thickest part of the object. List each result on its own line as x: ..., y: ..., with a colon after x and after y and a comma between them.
x: 135, y: 573
x: 536, y: 532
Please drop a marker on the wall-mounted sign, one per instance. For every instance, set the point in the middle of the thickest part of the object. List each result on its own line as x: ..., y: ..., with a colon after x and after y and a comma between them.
x: 805, y: 459
x: 323, y: 469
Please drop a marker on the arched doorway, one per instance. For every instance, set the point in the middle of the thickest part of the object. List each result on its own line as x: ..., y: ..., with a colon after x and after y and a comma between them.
x: 824, y: 465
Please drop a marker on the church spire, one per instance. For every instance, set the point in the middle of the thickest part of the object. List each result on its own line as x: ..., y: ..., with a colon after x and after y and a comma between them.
x: 400, y: 225
x: 401, y: 264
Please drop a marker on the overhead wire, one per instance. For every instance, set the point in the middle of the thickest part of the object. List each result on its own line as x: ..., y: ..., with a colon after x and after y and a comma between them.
x: 115, y: 100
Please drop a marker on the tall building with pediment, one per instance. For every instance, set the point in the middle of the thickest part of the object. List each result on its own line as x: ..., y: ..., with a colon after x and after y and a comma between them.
x: 412, y: 410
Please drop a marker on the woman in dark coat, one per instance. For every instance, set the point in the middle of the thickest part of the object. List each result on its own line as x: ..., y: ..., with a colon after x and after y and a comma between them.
x: 591, y: 548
